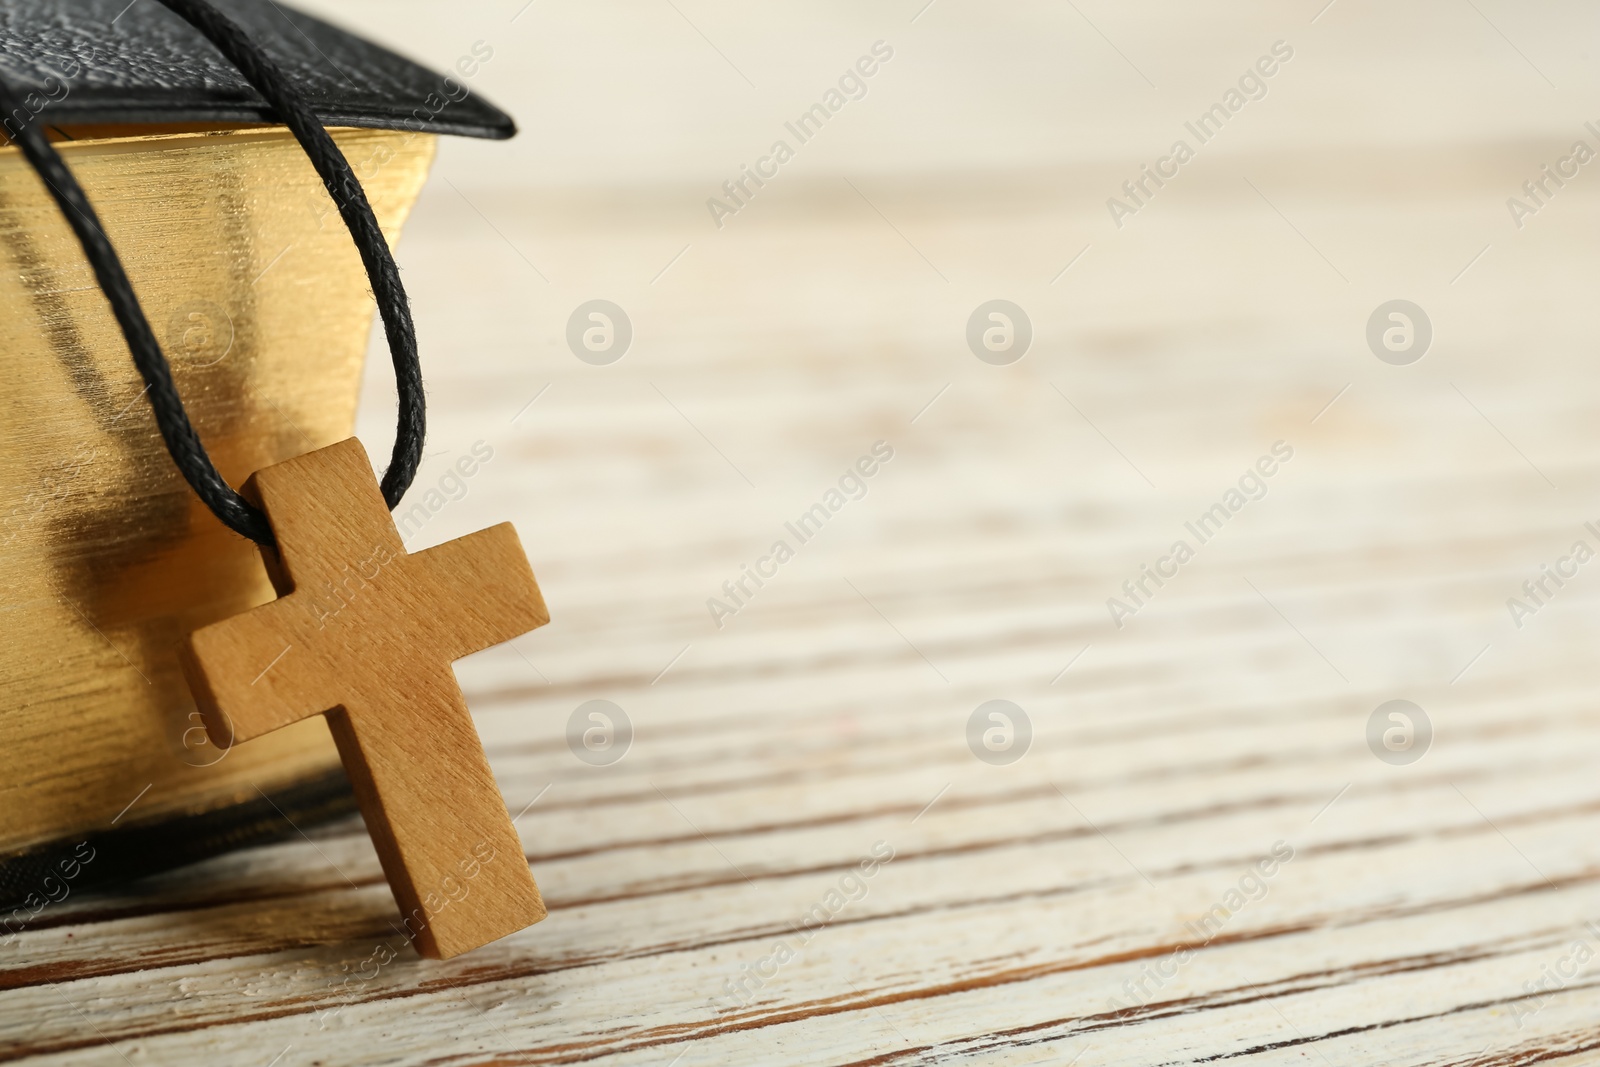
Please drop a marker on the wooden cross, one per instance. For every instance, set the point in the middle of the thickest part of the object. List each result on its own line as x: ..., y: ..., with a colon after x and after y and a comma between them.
x: 365, y: 633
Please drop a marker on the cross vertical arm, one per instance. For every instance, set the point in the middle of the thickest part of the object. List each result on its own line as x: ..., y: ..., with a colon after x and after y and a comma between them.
x: 436, y: 814
x: 325, y: 510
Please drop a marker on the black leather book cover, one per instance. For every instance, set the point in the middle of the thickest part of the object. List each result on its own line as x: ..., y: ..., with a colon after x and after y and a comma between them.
x: 109, y: 61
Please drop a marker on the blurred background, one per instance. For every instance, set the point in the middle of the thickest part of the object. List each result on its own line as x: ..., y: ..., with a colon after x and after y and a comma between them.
x: 1167, y: 352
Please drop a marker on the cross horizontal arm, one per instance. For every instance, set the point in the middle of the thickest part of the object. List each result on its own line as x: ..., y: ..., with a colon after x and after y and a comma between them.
x: 488, y: 592
x: 242, y: 673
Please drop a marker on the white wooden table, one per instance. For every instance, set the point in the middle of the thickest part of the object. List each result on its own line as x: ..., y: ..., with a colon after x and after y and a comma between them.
x: 1048, y: 910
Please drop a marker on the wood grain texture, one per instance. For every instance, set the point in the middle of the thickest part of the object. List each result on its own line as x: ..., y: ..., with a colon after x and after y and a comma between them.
x: 365, y: 633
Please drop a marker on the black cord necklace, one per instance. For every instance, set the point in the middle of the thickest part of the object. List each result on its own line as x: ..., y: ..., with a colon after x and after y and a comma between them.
x: 291, y: 109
